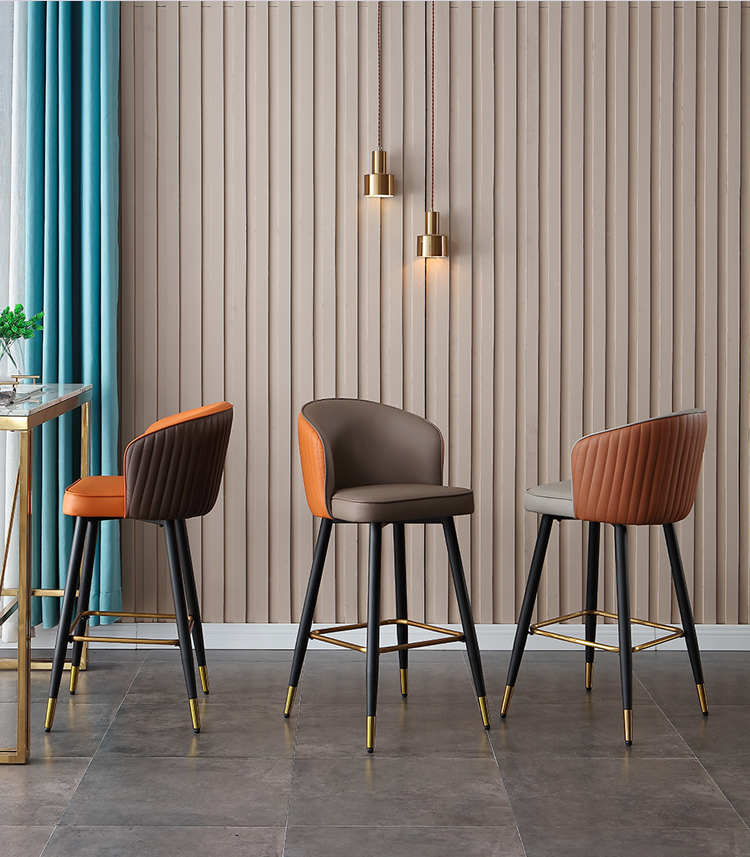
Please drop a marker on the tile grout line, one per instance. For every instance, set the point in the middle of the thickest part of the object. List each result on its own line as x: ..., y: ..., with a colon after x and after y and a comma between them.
x: 690, y: 750
x: 93, y: 756
x: 488, y: 733
x: 294, y: 759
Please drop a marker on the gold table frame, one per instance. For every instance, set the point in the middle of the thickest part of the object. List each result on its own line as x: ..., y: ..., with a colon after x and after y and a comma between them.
x: 52, y: 401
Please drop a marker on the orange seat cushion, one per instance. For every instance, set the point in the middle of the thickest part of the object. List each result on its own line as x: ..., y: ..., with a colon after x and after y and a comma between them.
x: 96, y: 497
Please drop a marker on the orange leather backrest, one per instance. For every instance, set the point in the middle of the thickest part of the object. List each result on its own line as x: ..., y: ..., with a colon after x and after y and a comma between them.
x: 643, y: 473
x: 351, y: 442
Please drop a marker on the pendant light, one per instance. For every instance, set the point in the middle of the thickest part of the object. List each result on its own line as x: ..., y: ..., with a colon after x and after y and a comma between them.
x: 379, y: 183
x: 432, y: 245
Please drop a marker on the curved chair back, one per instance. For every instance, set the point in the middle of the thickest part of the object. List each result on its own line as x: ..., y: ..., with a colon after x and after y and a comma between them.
x: 345, y: 443
x: 173, y: 470
x: 642, y: 473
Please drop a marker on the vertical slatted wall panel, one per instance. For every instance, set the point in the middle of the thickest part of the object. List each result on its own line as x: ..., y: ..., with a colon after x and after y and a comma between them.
x: 591, y: 172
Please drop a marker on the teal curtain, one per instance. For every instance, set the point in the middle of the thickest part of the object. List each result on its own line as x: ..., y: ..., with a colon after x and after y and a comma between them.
x: 72, y: 268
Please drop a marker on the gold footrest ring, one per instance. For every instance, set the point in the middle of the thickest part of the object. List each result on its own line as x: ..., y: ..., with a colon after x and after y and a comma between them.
x: 449, y: 636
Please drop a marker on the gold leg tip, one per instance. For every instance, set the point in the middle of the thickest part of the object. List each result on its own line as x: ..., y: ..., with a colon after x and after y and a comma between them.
x: 370, y: 734
x: 506, y: 700
x: 74, y: 679
x: 703, y: 698
x: 48, y: 720
x: 289, y: 700
x: 485, y: 711
x: 195, y: 716
x: 589, y: 676
x: 628, y: 721
x: 404, y: 682
x: 203, y: 672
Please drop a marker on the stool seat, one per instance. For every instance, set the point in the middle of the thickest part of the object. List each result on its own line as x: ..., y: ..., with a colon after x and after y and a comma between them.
x: 366, y: 504
x: 554, y: 498
x: 95, y: 497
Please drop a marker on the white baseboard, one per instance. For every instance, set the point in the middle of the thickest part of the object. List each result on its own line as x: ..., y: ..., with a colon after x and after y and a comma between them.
x: 731, y: 638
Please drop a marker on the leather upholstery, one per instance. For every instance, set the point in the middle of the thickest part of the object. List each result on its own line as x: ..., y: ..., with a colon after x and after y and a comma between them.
x: 555, y: 498
x: 642, y: 473
x: 171, y: 472
x: 96, y: 497
x: 408, y: 502
x: 348, y: 444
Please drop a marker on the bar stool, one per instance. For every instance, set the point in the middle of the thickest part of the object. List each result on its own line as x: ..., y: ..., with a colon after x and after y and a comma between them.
x: 172, y: 472
x: 364, y: 462
x: 643, y: 473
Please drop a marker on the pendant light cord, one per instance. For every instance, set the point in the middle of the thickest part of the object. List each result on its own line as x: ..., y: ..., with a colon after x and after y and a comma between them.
x: 432, y: 116
x: 379, y: 75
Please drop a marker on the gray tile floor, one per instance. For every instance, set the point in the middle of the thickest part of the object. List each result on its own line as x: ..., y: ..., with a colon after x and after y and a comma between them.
x: 123, y: 774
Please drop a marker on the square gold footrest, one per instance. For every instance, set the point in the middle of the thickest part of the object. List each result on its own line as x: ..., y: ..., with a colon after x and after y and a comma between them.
x: 674, y: 632
x: 323, y: 634
x: 85, y: 638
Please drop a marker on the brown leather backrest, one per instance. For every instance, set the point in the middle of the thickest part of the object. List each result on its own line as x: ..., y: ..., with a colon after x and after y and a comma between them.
x: 642, y: 473
x: 174, y: 469
x: 350, y: 442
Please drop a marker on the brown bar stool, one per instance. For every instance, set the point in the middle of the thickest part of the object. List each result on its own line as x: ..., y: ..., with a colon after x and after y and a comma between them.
x: 364, y: 462
x: 171, y: 472
x: 642, y: 473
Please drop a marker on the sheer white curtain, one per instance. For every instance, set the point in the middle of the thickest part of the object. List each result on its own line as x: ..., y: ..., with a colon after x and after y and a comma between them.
x: 13, y: 41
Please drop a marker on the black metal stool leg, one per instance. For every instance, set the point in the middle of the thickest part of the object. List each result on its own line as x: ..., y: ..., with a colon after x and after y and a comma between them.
x: 181, y: 616
x: 467, y: 619
x: 66, y: 617
x: 527, y: 608
x: 308, y: 610
x: 686, y: 614
x: 592, y: 587
x: 623, y: 627
x: 402, y: 631
x: 84, y: 591
x: 373, y: 631
x: 191, y: 596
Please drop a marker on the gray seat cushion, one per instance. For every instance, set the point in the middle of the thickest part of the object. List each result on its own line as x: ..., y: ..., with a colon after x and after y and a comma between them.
x: 407, y: 502
x: 555, y: 498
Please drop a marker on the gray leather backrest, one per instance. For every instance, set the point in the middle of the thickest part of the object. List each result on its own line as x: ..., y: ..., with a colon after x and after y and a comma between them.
x: 367, y: 443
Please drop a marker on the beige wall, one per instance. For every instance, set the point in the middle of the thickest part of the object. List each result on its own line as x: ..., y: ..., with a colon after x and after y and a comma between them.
x: 591, y: 170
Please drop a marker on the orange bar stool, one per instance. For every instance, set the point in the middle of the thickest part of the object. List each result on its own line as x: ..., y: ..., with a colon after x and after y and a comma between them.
x: 642, y: 473
x: 363, y: 462
x: 172, y: 472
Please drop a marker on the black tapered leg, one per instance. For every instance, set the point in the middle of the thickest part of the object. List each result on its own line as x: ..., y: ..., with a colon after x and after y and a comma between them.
x: 373, y: 631
x: 686, y: 613
x: 181, y: 616
x: 402, y: 631
x: 623, y: 627
x: 66, y: 617
x: 467, y: 619
x: 84, y: 591
x: 308, y: 610
x: 592, y: 588
x: 191, y: 596
x: 527, y: 608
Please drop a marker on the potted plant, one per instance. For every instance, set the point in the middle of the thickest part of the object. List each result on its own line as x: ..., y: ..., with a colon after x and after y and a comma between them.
x: 14, y: 326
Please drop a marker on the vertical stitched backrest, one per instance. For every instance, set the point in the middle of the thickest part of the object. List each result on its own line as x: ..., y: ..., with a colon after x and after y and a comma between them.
x: 643, y: 473
x: 174, y: 469
x: 349, y: 442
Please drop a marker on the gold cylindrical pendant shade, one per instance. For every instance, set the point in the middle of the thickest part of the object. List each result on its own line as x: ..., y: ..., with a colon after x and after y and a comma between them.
x: 378, y: 183
x: 432, y: 245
